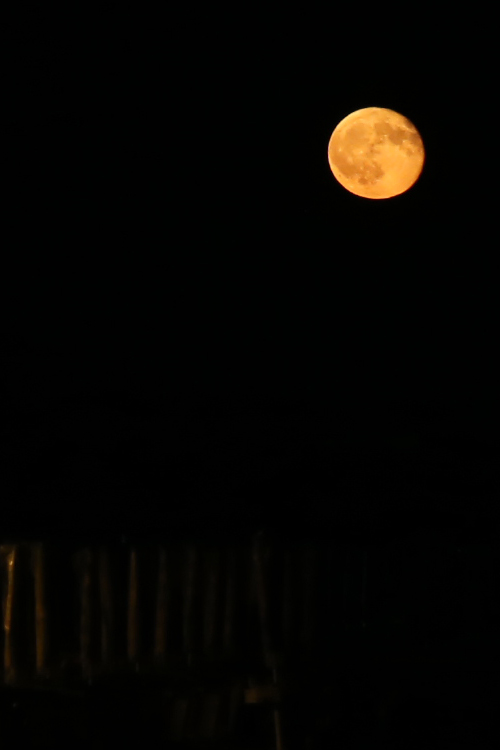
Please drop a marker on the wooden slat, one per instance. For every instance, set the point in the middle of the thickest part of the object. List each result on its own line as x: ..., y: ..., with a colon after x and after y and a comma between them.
x: 85, y: 559
x: 188, y: 629
x: 178, y: 719
x: 209, y: 718
x: 192, y: 727
x: 162, y: 608
x: 10, y: 665
x: 364, y: 588
x: 210, y: 603
x: 133, y: 623
x: 235, y: 700
x: 309, y: 596
x: 288, y: 613
x: 252, y: 606
x: 107, y: 609
x: 262, y: 591
x: 230, y: 603
x: 41, y: 613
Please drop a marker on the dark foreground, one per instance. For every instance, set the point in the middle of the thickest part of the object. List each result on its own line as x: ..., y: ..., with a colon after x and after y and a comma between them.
x: 197, y: 644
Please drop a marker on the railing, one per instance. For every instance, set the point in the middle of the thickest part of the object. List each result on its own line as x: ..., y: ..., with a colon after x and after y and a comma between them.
x: 121, y: 608
x: 212, y: 625
x: 75, y: 615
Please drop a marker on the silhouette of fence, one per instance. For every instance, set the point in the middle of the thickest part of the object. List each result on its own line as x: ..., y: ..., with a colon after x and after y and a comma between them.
x: 212, y: 624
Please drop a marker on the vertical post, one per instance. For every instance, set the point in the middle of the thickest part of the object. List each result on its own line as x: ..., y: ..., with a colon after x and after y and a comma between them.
x: 178, y: 719
x: 345, y: 587
x: 189, y: 602
x: 86, y: 614
x: 8, y: 621
x: 230, y: 603
x: 263, y: 602
x: 209, y: 715
x: 288, y: 599
x: 41, y: 616
x: 235, y: 699
x: 107, y: 611
x: 309, y: 602
x: 364, y: 587
x: 277, y: 722
x: 161, y: 608
x: 252, y: 611
x: 211, y: 603
x: 133, y: 612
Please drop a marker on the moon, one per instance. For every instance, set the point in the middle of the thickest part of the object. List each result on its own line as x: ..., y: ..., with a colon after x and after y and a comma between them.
x: 376, y: 153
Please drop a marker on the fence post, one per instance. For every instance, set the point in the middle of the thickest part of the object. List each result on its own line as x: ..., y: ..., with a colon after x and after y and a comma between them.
x: 161, y: 608
x: 230, y: 603
x: 86, y: 613
x: 210, y: 603
x: 10, y: 665
x: 133, y: 634
x: 107, y: 609
x: 41, y: 615
x: 189, y: 603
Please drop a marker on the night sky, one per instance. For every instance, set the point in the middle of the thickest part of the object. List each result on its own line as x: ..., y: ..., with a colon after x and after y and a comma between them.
x: 200, y: 325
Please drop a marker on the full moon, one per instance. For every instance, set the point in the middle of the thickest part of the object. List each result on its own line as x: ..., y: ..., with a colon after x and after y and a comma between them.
x: 376, y: 153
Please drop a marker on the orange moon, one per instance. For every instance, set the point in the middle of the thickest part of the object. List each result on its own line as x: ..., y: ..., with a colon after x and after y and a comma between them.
x: 376, y: 153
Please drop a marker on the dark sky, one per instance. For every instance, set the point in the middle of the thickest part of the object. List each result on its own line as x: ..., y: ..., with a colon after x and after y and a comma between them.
x: 194, y: 308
